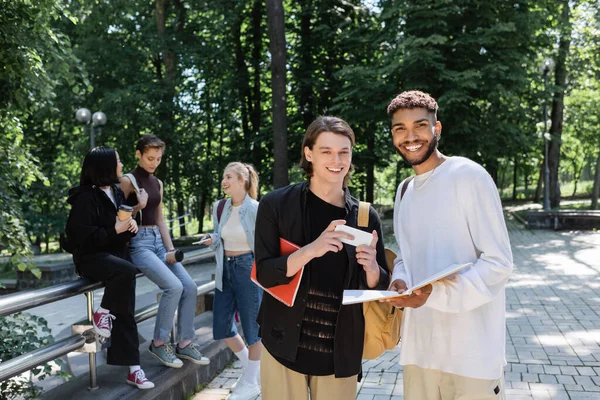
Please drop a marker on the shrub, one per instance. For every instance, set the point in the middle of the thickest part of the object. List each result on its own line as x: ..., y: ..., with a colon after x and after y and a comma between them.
x: 22, y: 333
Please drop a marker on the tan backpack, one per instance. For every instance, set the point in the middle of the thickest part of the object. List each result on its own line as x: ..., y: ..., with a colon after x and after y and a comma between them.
x: 382, y: 320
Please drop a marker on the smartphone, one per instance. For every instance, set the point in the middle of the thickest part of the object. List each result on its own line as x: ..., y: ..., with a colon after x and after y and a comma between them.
x: 202, y: 241
x: 360, y: 237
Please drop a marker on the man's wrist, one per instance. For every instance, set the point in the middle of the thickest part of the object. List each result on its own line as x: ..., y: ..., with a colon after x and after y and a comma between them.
x: 373, y: 270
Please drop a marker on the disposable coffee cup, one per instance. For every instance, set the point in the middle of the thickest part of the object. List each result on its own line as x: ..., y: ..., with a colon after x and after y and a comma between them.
x: 174, y: 256
x: 125, y: 212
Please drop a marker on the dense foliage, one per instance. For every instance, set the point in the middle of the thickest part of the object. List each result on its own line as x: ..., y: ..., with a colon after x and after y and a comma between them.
x: 229, y: 80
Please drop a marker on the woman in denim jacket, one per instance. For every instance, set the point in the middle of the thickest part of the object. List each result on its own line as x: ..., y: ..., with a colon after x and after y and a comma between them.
x: 233, y: 242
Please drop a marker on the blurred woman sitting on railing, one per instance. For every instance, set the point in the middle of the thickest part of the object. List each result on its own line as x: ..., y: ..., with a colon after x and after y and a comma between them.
x: 98, y: 238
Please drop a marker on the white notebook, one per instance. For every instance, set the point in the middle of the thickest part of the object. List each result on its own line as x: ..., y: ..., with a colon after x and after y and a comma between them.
x: 362, y: 296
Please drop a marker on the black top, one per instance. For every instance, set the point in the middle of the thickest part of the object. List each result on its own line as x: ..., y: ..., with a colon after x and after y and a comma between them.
x: 91, y: 225
x: 324, y: 299
x: 152, y: 186
x: 283, y: 213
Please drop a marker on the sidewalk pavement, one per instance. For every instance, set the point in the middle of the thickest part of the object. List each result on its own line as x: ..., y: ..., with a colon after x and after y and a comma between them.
x: 552, y: 317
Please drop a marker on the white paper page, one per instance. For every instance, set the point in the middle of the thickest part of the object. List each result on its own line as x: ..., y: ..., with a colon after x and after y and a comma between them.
x: 362, y: 296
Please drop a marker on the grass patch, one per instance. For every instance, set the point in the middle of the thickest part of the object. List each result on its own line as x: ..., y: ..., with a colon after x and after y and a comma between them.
x: 584, y: 189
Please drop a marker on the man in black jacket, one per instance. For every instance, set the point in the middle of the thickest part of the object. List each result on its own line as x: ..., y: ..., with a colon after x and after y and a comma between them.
x: 317, y: 343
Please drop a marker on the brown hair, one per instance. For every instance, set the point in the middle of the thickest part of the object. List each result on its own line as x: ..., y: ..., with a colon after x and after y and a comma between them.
x: 149, y: 142
x: 325, y: 124
x: 248, y: 175
x: 413, y: 99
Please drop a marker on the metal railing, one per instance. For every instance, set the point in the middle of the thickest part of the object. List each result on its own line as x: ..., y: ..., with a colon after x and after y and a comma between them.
x: 177, y: 219
x: 13, y: 303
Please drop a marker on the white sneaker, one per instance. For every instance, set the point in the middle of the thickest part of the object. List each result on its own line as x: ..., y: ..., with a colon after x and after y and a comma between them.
x: 244, y: 391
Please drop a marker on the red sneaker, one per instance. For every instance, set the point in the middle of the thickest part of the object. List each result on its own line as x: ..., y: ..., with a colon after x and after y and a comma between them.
x: 103, y: 323
x: 138, y: 378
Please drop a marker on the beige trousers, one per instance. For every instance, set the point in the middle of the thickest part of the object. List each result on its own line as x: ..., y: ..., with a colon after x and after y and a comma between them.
x: 430, y: 384
x: 281, y: 383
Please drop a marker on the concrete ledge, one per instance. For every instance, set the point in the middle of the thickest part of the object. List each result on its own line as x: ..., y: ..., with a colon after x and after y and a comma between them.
x: 169, y: 383
x: 52, y: 274
x: 563, y: 219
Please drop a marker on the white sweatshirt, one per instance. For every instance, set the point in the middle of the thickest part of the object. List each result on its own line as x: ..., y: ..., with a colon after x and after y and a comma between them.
x: 454, y: 216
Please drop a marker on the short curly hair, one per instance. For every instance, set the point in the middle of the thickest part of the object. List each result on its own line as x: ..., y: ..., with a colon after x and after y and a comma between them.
x: 413, y: 99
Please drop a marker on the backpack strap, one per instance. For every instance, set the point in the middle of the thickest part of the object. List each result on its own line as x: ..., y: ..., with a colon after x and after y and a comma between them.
x: 133, y: 182
x: 220, y: 208
x: 136, y: 188
x: 363, y: 214
x: 405, y: 186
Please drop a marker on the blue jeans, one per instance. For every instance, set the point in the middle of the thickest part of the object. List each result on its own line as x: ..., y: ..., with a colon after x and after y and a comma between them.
x: 179, y: 290
x: 239, y: 292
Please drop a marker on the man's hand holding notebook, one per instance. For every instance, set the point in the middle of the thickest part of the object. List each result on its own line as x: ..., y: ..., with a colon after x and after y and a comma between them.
x: 361, y: 296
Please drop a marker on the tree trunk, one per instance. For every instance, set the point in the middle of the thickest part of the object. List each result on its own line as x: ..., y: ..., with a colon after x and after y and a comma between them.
x: 370, y: 183
x: 275, y: 21
x: 180, y: 208
x: 515, y: 176
x: 306, y: 65
x: 540, y: 182
x: 526, y: 173
x: 493, y: 169
x: 220, y: 157
x: 167, y: 86
x: 209, y: 134
x: 596, y: 188
x: 256, y: 106
x: 558, y: 104
x: 243, y: 81
x: 398, y: 170
x: 576, y: 176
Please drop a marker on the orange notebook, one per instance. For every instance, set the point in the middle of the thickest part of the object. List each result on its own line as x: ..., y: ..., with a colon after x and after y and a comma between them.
x: 285, y: 293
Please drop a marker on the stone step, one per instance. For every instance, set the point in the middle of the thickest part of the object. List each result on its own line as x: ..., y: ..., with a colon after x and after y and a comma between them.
x: 169, y: 383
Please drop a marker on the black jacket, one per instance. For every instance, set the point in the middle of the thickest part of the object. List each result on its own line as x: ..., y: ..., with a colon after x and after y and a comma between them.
x: 281, y: 213
x: 91, y: 224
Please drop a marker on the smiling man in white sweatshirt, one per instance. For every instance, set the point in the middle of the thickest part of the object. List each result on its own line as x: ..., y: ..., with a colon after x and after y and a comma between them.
x: 453, y: 332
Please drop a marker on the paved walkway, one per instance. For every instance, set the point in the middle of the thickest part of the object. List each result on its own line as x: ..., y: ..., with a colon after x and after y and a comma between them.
x: 553, y: 325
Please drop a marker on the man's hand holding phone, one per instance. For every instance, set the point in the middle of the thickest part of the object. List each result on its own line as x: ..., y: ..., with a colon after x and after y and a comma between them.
x: 329, y: 240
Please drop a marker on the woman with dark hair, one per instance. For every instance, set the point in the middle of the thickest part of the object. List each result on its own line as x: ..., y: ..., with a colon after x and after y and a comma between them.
x: 98, y: 241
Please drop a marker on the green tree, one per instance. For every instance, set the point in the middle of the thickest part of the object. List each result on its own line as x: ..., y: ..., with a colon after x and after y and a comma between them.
x: 476, y: 57
x: 34, y: 57
x: 277, y: 47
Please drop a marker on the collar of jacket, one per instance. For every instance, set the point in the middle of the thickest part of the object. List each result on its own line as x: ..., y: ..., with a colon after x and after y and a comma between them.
x: 243, y: 206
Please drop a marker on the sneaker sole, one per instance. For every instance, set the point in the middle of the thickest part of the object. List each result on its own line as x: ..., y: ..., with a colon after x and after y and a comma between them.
x: 192, y: 359
x: 98, y: 332
x: 252, y: 395
x: 138, y: 386
x: 163, y: 362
